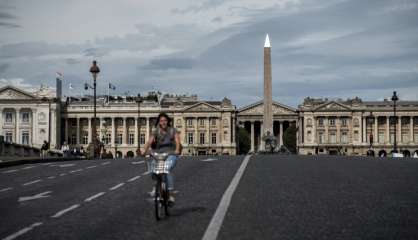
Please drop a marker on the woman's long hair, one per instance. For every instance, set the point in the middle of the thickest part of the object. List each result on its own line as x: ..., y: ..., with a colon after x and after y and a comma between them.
x: 164, y: 115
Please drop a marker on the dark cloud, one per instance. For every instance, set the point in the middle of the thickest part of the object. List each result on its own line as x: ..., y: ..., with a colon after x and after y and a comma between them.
x: 95, y: 52
x: 170, y: 63
x: 36, y: 49
x: 8, y: 20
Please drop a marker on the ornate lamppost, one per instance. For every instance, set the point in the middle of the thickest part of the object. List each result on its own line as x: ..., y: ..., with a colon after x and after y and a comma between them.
x: 395, y: 99
x: 94, y: 70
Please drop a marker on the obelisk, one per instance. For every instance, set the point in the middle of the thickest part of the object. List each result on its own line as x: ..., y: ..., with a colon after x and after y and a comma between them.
x: 268, y: 101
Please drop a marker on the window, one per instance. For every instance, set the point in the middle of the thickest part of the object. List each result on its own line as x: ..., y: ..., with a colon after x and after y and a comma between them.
x: 332, y: 121
x: 225, y: 135
x: 405, y: 137
x: 309, y: 122
x: 344, y: 137
x: 213, y: 121
x: 309, y: 137
x: 213, y: 138
x: 320, y: 122
x: 9, y: 117
x: 356, y: 122
x: 416, y: 137
x: 25, y: 117
x: 190, y: 138
x: 332, y: 137
x: 202, y: 138
x: 85, y: 139
x: 9, y: 137
x: 381, y: 137
x: 73, y: 139
x: 119, y: 138
x: 108, y: 138
x: 142, y: 138
x: 344, y: 122
x: 202, y: 122
x: 321, y: 137
x: 189, y: 122
x: 225, y: 122
x: 131, y: 138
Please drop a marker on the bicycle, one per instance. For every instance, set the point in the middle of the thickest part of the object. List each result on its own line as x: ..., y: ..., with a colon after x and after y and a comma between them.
x: 159, y: 171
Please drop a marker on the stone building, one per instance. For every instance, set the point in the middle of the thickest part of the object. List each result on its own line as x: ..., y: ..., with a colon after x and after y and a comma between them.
x: 353, y: 127
x: 30, y: 118
x: 206, y: 127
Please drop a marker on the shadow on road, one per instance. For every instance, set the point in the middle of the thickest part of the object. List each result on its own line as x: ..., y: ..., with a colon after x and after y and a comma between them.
x: 178, y: 212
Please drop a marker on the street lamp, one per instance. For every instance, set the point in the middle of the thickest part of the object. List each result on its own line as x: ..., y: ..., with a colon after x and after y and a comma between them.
x: 394, y: 99
x: 94, y: 70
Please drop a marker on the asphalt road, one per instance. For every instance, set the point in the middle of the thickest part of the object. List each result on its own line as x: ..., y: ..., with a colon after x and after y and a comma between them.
x: 276, y: 197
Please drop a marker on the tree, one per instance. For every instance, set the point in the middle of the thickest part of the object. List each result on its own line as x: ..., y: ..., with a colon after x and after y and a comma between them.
x: 289, y: 138
x: 244, y: 142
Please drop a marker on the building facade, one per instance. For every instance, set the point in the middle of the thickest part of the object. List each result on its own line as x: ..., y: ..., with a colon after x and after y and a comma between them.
x: 30, y: 118
x: 356, y: 127
x: 123, y: 124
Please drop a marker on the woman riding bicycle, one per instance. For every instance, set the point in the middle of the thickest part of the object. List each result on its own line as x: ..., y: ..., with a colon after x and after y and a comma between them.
x: 166, y: 138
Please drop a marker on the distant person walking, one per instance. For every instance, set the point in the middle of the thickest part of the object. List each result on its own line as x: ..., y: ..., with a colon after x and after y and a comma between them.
x: 44, y: 149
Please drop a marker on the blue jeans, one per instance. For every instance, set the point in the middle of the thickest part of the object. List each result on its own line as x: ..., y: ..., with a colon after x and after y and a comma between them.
x: 172, y: 160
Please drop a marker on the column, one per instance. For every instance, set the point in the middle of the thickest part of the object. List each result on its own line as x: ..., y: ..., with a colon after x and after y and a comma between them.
x: 197, y: 138
x: 375, y: 140
x: 338, y: 126
x: 233, y: 128
x: 112, y: 135
x: 17, y: 126
x: 399, y: 130
x: 124, y: 129
x: 147, y: 129
x: 77, y: 133
x: 281, y: 133
x: 136, y: 140
x: 387, y: 130
x: 411, y: 129
x: 101, y: 128
x: 207, y: 131
x: 66, y: 130
x: 363, y: 129
x: 252, y: 136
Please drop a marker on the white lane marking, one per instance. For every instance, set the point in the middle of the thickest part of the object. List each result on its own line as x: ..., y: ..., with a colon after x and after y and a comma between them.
x: 29, y: 183
x: 209, y: 160
x: 62, y: 212
x: 51, y: 177
x: 134, y: 178
x: 6, y: 189
x: 215, y: 224
x: 63, y: 165
x: 46, y: 164
x: 62, y: 174
x: 146, y: 173
x: 139, y: 162
x: 91, y: 167
x: 78, y: 170
x: 28, y: 167
x: 36, y: 196
x: 105, y: 163
x: 11, y: 171
x: 94, y: 196
x: 116, y: 186
x: 23, y: 231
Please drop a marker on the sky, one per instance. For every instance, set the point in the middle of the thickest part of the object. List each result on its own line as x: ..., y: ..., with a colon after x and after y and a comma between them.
x: 214, y: 48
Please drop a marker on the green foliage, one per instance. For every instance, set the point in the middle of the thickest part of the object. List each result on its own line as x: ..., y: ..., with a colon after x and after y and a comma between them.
x: 244, y: 141
x: 289, y: 138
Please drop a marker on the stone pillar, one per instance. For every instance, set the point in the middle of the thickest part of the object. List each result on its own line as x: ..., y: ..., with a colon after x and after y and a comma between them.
x: 136, y: 141
x: 399, y: 130
x: 147, y: 133
x: 77, y: 133
x: 196, y: 133
x: 252, y: 137
x: 268, y: 101
x: 364, y: 129
x: 17, y: 126
x: 233, y: 129
x: 90, y: 131
x: 281, y: 134
x: 207, y: 131
x: 124, y: 131
x: 387, y: 130
x: 112, y: 135
x: 411, y: 129
x: 376, y: 126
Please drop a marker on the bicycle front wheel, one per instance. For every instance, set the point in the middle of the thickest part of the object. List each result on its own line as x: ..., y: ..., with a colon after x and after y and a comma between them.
x: 158, y: 203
